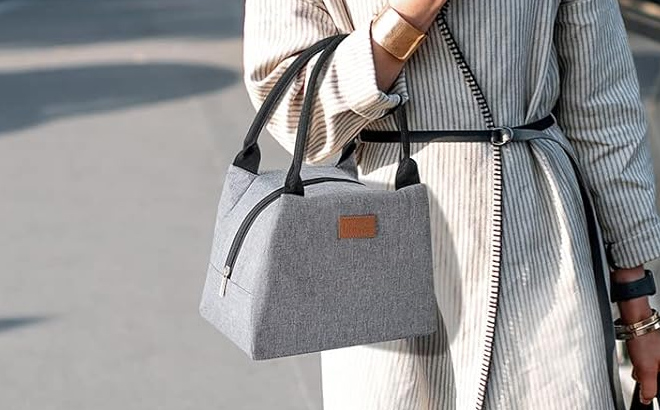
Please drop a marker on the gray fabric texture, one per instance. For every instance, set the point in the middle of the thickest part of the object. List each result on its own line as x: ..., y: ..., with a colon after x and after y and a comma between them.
x: 296, y: 287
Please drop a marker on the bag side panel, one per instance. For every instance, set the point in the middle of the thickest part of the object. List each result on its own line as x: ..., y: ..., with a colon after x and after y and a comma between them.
x: 324, y: 292
x: 230, y: 314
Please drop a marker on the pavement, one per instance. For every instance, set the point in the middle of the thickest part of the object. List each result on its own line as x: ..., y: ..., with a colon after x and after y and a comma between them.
x: 118, y: 119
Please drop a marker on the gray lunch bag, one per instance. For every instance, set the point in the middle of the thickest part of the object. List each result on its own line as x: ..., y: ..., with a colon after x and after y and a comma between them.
x: 313, y: 259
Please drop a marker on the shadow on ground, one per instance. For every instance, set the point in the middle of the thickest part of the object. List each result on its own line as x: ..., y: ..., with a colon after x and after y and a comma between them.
x: 32, y: 97
x: 44, y: 23
x: 11, y: 323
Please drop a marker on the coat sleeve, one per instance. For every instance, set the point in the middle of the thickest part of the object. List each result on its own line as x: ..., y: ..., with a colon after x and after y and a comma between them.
x: 602, y: 114
x: 347, y: 96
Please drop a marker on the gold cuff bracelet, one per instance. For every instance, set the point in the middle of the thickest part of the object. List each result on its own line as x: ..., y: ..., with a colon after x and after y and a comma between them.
x: 395, y: 34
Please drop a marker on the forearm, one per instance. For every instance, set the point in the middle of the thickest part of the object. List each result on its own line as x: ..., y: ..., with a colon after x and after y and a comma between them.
x: 362, y: 81
x: 636, y: 309
x: 601, y: 113
x: 419, y: 13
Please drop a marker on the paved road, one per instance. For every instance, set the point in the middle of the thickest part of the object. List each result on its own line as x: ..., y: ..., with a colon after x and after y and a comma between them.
x: 117, y: 121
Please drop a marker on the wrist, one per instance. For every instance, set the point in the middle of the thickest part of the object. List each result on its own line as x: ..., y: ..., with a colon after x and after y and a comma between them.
x: 624, y: 275
x: 628, y: 331
x: 419, y: 13
x: 634, y: 310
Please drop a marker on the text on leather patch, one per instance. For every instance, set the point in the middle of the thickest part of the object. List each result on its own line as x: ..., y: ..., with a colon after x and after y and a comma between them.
x: 357, y: 226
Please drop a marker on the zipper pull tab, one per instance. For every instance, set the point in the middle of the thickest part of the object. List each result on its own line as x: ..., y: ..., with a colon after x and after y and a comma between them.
x: 225, y: 278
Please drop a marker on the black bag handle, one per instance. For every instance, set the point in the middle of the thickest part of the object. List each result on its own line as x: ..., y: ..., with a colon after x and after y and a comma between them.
x: 407, y: 172
x: 249, y: 157
x: 293, y: 183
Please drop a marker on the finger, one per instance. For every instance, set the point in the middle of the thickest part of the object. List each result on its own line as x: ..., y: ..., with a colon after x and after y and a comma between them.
x: 649, y: 384
x: 633, y: 374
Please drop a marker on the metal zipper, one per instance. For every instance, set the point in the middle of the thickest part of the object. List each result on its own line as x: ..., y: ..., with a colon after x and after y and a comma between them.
x: 496, y: 242
x: 249, y: 219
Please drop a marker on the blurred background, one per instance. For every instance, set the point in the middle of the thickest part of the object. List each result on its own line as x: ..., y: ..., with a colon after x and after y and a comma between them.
x: 118, y: 119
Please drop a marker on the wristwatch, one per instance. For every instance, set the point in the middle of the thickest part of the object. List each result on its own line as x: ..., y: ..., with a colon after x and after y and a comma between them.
x: 630, y: 290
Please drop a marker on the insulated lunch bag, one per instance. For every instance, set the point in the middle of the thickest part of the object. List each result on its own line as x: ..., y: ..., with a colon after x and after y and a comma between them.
x: 311, y: 258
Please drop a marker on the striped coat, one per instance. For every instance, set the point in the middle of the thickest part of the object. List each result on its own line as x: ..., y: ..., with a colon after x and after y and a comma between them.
x: 508, y: 223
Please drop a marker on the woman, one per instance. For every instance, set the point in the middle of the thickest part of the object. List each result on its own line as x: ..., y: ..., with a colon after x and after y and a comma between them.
x: 509, y: 230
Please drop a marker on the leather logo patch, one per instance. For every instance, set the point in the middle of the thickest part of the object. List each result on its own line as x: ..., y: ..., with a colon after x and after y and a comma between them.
x: 357, y: 226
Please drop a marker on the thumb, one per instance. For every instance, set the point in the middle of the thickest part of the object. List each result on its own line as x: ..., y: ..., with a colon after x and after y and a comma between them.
x: 649, y: 384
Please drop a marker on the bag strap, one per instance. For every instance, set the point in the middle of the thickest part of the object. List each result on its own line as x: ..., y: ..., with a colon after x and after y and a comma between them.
x: 407, y: 172
x: 293, y: 183
x: 249, y: 157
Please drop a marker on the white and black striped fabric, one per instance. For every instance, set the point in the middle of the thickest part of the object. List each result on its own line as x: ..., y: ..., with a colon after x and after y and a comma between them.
x: 546, y: 348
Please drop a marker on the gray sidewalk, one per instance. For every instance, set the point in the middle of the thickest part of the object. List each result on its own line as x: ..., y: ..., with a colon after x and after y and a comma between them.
x: 117, y: 122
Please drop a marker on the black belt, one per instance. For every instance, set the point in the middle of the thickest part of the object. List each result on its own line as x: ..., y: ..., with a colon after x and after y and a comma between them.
x: 497, y: 135
x: 501, y: 136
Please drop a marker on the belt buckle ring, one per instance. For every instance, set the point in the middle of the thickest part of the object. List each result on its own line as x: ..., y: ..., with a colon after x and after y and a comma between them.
x: 504, y: 135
